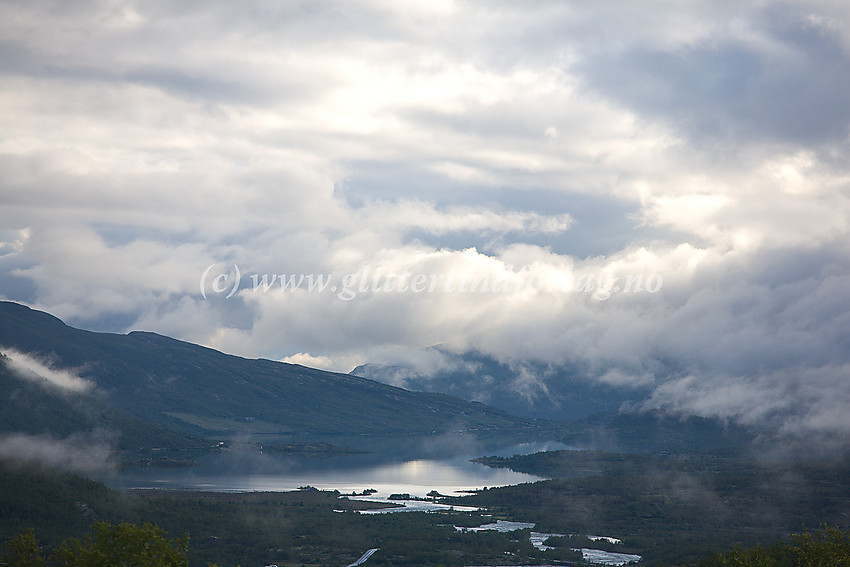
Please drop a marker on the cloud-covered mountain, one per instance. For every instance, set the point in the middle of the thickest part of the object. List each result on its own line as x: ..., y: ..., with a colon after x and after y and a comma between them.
x: 531, y: 390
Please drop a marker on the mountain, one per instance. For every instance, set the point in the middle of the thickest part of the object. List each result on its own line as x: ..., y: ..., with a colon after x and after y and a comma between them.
x: 40, y: 409
x: 661, y: 431
x: 185, y: 389
x: 594, y: 415
x: 559, y: 393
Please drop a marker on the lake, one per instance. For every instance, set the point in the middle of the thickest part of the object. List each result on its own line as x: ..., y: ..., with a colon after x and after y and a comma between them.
x: 250, y: 470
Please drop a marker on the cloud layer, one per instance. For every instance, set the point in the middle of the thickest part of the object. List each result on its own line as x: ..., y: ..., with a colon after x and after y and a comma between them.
x: 33, y: 368
x: 88, y: 453
x: 657, y: 187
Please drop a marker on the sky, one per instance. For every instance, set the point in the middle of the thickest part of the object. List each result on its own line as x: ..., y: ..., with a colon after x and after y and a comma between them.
x: 629, y: 187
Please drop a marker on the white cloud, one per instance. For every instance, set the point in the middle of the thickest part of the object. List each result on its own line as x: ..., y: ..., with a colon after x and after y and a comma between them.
x: 88, y: 453
x: 32, y: 368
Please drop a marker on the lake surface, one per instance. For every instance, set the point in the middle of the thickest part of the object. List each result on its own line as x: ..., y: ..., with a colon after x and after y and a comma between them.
x: 250, y: 470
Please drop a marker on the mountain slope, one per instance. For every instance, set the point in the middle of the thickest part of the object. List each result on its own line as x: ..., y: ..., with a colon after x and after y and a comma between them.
x: 185, y: 386
x: 556, y: 393
x: 27, y: 406
x: 660, y: 431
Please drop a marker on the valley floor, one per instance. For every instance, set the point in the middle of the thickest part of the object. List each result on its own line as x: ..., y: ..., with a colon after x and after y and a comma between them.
x: 664, y: 508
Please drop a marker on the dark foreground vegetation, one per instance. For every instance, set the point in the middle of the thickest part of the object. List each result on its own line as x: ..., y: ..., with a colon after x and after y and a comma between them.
x: 830, y: 547
x: 104, y: 546
x: 148, y: 546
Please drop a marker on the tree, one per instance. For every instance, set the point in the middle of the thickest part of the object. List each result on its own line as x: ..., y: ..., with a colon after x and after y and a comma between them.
x: 124, y: 545
x: 830, y: 547
x: 23, y: 551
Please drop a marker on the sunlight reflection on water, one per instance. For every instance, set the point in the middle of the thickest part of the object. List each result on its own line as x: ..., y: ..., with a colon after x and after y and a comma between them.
x: 348, y: 473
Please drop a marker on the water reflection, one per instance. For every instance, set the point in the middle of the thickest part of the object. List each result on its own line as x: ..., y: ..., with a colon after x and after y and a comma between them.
x: 252, y: 471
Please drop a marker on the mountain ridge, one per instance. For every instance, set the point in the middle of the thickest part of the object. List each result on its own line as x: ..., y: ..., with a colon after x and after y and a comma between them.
x: 192, y: 389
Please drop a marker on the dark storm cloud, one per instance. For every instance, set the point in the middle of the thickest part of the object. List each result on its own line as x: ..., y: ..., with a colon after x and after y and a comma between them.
x: 789, y: 87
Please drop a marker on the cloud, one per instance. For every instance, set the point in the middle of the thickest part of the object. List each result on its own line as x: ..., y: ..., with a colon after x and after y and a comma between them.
x: 37, y: 370
x: 87, y: 453
x: 794, y: 401
x: 697, y: 149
